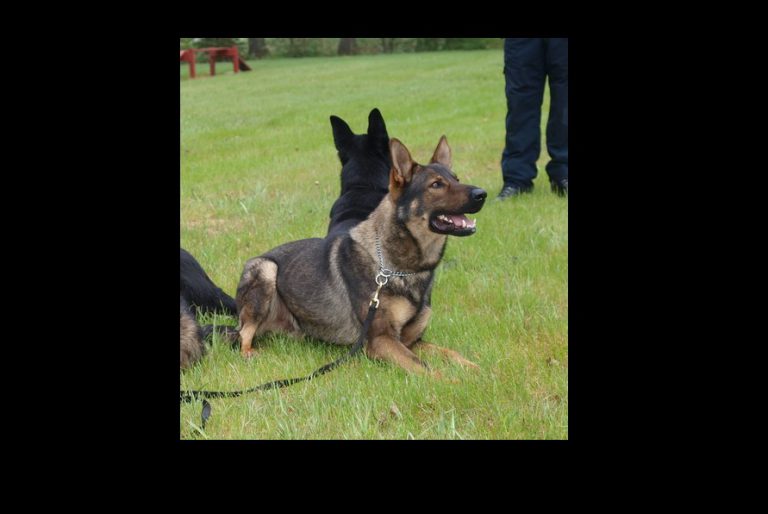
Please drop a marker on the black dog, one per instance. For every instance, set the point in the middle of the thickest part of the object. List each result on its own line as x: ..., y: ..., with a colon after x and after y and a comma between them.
x: 199, y: 294
x: 366, y: 161
x: 200, y: 291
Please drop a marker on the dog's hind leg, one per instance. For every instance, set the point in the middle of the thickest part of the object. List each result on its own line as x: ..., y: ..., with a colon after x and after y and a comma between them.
x: 256, y: 294
x: 247, y: 334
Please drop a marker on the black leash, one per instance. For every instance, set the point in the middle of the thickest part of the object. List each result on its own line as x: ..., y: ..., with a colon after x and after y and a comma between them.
x: 188, y: 396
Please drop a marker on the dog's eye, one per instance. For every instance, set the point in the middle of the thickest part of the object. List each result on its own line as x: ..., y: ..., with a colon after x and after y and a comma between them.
x: 437, y: 184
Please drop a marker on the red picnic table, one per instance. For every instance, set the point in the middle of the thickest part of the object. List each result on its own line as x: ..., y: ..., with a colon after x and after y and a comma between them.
x: 213, y: 53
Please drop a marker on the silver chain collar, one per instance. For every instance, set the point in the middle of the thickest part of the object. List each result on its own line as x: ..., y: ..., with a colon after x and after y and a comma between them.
x: 382, y: 277
x: 385, y: 272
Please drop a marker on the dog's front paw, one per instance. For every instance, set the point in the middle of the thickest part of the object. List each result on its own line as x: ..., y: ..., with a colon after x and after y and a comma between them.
x: 466, y: 363
x: 247, y: 354
x: 435, y: 374
x: 439, y: 376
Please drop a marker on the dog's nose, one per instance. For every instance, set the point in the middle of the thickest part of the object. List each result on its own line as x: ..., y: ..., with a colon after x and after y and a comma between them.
x: 478, y: 195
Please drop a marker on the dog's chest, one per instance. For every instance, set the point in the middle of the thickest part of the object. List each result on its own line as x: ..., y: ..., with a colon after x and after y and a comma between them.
x: 413, y: 289
x: 398, y: 310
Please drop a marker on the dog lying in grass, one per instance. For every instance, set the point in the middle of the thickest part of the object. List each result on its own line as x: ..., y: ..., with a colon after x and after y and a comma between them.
x: 322, y: 287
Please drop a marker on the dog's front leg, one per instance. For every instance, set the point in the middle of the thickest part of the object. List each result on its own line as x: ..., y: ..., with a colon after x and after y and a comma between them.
x: 412, y: 333
x: 433, y: 349
x: 386, y: 347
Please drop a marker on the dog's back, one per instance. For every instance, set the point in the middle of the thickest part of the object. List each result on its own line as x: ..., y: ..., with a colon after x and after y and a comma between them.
x: 366, y: 162
x: 200, y: 291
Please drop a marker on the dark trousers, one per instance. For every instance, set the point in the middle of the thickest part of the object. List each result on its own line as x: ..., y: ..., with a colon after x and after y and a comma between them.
x: 527, y: 63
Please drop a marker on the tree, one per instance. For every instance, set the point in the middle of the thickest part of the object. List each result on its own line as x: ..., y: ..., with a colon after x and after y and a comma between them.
x: 347, y: 46
x: 429, y: 44
x: 257, y: 47
x: 388, y: 45
x: 465, y: 43
x: 205, y: 42
x: 297, y: 47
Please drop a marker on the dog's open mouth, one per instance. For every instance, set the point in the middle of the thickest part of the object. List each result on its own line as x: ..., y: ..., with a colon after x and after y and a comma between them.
x: 453, y: 225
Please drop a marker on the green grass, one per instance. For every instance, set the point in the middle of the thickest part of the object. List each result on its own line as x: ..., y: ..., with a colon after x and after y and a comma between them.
x: 258, y: 169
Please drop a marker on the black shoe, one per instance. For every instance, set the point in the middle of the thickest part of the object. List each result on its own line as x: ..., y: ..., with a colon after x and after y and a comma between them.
x: 508, y: 191
x: 560, y: 187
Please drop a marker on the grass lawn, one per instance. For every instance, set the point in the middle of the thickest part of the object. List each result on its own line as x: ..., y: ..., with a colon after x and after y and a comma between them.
x: 259, y: 168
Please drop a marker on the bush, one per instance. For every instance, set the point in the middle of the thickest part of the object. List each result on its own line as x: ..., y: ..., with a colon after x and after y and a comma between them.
x: 302, y: 46
x: 471, y: 43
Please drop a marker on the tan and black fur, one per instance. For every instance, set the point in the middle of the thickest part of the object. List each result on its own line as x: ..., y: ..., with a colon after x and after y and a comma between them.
x: 322, y: 287
x: 198, y: 294
x: 192, y: 345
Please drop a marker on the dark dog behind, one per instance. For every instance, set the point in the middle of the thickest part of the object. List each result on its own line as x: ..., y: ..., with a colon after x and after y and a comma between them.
x: 322, y: 287
x: 200, y: 291
x: 198, y: 294
x: 365, y: 162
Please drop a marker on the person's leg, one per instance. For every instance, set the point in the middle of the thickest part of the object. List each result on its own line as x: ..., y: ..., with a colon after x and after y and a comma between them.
x: 524, y: 75
x: 557, y: 126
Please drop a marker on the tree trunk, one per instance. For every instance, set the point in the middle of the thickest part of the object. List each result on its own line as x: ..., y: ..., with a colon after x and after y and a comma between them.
x: 257, y: 47
x: 387, y: 45
x: 347, y: 46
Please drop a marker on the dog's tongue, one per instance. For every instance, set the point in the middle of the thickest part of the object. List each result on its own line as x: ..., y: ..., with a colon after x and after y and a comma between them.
x: 460, y: 221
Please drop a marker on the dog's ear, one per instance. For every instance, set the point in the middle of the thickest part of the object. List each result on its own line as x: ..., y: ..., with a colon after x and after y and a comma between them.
x: 342, y: 134
x: 376, y: 126
x: 402, y: 168
x: 442, y: 153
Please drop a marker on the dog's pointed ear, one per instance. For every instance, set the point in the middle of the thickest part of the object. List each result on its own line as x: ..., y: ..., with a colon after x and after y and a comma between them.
x: 342, y: 134
x: 376, y: 126
x: 402, y: 167
x: 442, y: 153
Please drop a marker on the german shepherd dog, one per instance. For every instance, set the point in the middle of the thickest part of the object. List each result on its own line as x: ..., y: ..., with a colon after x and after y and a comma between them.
x: 322, y: 287
x: 198, y: 294
x: 365, y: 169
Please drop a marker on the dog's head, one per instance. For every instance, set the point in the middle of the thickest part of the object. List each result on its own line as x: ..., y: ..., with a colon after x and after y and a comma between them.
x: 365, y: 158
x: 431, y: 194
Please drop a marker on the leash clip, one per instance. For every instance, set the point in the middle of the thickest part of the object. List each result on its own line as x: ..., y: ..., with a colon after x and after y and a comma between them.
x: 381, y: 279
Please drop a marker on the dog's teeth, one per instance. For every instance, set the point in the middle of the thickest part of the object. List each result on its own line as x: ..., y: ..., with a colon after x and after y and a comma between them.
x: 463, y: 223
x: 472, y: 223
